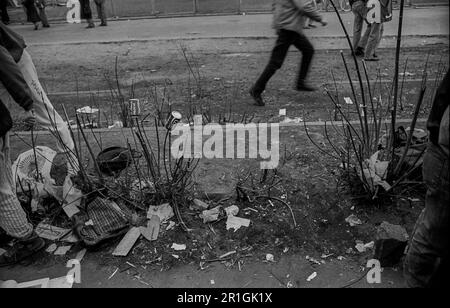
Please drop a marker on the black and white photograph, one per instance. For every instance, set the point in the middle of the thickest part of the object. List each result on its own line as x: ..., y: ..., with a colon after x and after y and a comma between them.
x: 224, y: 150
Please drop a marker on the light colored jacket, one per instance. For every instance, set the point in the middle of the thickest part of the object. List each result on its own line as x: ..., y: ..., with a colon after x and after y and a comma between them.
x: 291, y: 14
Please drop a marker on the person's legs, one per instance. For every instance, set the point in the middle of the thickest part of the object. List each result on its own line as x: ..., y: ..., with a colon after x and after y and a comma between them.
x: 277, y: 58
x: 13, y: 219
x: 44, y: 18
x: 101, y: 12
x: 373, y: 41
x: 302, y: 43
x: 429, y: 247
x: 46, y: 115
x: 379, y: 39
x: 86, y: 13
x: 357, y: 24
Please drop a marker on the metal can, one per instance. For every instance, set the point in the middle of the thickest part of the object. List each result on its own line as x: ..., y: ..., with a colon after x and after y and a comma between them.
x: 173, y: 119
x: 134, y: 107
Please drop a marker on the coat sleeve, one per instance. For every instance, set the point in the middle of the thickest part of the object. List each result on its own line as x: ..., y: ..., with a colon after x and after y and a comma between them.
x: 13, y: 80
x: 307, y: 9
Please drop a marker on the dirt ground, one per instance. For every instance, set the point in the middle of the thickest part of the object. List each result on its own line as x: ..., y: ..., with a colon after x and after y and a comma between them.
x: 310, y: 182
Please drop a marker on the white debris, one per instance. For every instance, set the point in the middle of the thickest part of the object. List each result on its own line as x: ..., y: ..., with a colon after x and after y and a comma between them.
x: 51, y: 248
x: 87, y: 110
x: 61, y: 251
x: 236, y: 223
x: 353, y: 220
x: 270, y: 257
x: 348, y: 100
x: 313, y: 276
x: 178, y: 247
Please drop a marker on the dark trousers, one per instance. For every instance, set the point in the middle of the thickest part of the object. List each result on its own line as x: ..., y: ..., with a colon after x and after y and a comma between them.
x: 285, y: 39
x: 426, y: 264
x: 4, y: 10
x: 101, y: 10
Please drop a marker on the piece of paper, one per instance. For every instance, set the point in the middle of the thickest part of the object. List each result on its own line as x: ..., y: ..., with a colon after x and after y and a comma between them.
x: 51, y: 248
x: 51, y: 233
x: 61, y: 251
x: 236, y: 223
x: 178, y: 247
x: 151, y: 232
x: 127, y: 242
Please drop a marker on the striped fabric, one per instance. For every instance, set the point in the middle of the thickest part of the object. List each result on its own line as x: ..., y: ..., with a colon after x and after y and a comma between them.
x: 13, y: 218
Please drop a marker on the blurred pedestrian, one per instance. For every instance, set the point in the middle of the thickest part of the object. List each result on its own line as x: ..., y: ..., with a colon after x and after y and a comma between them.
x: 86, y: 12
x: 359, y: 10
x: 35, y: 10
x: 4, y: 11
x: 289, y: 19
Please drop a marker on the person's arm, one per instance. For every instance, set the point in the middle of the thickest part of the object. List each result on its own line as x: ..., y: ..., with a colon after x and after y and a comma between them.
x: 308, y: 10
x: 13, y: 81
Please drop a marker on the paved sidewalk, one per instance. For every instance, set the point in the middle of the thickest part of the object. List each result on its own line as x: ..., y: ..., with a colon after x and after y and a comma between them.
x: 417, y: 22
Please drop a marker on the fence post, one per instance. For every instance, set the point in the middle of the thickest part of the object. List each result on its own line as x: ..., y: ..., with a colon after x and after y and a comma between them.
x: 195, y: 3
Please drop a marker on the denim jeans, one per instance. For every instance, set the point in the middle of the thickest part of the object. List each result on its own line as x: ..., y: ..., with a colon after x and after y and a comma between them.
x: 371, y: 39
x: 101, y: 10
x: 359, y: 11
x: 426, y: 264
x: 285, y: 39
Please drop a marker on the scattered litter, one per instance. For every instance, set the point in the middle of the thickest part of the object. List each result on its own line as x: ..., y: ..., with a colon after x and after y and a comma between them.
x: 50, y: 249
x: 353, y: 220
x: 211, y: 215
x: 213, y: 282
x: 340, y: 258
x: 289, y: 285
x: 89, y: 223
x: 178, y: 247
x: 117, y: 124
x: 348, y: 100
x: 313, y: 276
x: 113, y: 274
x: 285, y: 250
x: 170, y: 226
x: 227, y: 254
x: 236, y: 223
x: 164, y: 212
x: 217, y: 79
x: 375, y: 172
x: 370, y: 245
x: 176, y: 256
x: 130, y: 264
x: 62, y: 250
x: 292, y: 120
x: 282, y: 112
x: 232, y: 210
x: 324, y: 256
x: 87, y: 110
x: 151, y: 232
x: 200, y: 204
x: 71, y: 238
x: 270, y: 257
x: 360, y: 247
x: 51, y: 233
x: 251, y: 209
x: 312, y: 260
x: 127, y: 242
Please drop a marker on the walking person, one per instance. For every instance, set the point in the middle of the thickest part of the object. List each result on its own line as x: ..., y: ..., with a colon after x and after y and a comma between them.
x: 13, y: 218
x: 86, y: 12
x: 359, y: 10
x: 41, y: 4
x: 4, y: 11
x: 35, y: 11
x: 101, y: 10
x: 288, y: 21
x: 427, y: 261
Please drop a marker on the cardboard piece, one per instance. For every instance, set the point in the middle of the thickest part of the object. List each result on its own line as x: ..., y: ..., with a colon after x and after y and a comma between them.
x: 164, y: 212
x: 127, y: 242
x: 151, y: 232
x: 61, y: 251
x: 51, y: 233
x: 236, y: 223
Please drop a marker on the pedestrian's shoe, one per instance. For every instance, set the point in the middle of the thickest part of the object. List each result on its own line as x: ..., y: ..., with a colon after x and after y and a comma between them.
x: 46, y: 26
x: 90, y: 25
x: 257, y: 98
x: 303, y: 86
x: 103, y: 24
x: 359, y: 52
x: 36, y: 27
x: 22, y: 250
